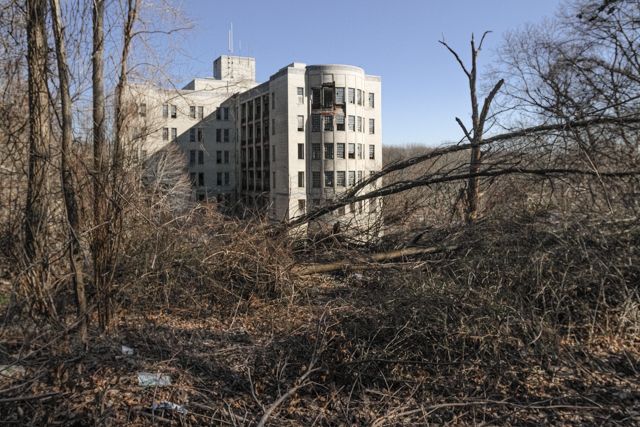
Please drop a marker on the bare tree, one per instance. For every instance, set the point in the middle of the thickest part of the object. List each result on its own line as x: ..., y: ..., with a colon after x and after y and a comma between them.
x: 68, y: 185
x: 478, y: 121
x: 36, y: 210
x: 100, y: 171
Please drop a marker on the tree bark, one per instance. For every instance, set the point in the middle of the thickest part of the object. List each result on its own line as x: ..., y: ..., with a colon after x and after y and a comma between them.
x: 36, y: 209
x: 68, y: 187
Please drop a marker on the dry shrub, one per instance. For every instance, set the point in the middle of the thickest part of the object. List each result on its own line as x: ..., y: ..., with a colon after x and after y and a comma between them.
x: 204, y: 257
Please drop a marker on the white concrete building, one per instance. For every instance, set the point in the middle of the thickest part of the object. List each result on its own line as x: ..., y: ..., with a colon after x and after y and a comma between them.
x: 301, y: 138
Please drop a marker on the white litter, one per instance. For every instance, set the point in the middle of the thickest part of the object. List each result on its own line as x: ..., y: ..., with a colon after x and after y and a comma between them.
x: 148, y: 379
x: 127, y: 351
x: 169, y: 406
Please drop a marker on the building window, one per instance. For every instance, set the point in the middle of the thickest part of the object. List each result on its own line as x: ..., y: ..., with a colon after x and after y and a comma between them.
x: 360, y: 101
x: 142, y: 110
x: 340, y: 178
x: 359, y: 176
x: 339, y: 96
x: 300, y: 179
x: 340, y: 154
x: 226, y: 157
x: 300, y: 123
x: 225, y: 113
x: 339, y: 121
x: 200, y: 136
x: 273, y: 156
x: 201, y: 179
x: 352, y: 178
x: 219, y: 157
x: 372, y: 152
x: 302, y: 206
x: 200, y: 113
x: 315, y: 122
x: 328, y: 123
x: 360, y: 154
x: 352, y: 151
x: 300, y: 95
x: 192, y: 157
x: 192, y: 178
x: 372, y: 102
x: 226, y: 178
x: 165, y: 134
x: 165, y: 111
x: 328, y: 151
x: 315, y: 152
x: 273, y: 101
x: 192, y: 112
x: 200, y: 157
x: 327, y: 97
x: 372, y: 126
x: 219, y: 135
x: 352, y: 95
x: 328, y: 178
x: 192, y: 135
x: 352, y: 123
x: 316, y: 102
x: 174, y: 134
x: 359, y: 124
x: 315, y: 179
x: 219, y: 178
x: 225, y: 134
x: 174, y: 112
x: 301, y: 151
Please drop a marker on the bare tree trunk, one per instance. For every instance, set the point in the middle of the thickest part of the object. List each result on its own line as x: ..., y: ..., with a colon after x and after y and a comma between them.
x: 68, y: 187
x: 39, y: 154
x: 101, y: 231
x: 478, y: 119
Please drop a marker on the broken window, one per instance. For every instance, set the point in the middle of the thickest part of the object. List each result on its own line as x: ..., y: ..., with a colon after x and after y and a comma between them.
x: 339, y: 96
x: 316, y: 101
x: 328, y: 178
x: 328, y: 123
x: 327, y: 97
x: 315, y: 179
x: 328, y: 151
x: 315, y: 122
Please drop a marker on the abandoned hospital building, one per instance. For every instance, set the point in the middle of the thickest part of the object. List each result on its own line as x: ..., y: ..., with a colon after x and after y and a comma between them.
x: 308, y: 134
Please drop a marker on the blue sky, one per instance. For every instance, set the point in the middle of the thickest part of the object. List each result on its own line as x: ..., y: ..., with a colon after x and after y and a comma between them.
x: 422, y: 86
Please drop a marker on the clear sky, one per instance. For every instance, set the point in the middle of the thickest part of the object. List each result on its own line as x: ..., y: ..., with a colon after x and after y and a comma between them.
x: 422, y: 86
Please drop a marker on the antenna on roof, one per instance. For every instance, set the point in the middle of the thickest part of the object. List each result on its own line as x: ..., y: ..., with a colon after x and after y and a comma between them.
x: 231, y: 38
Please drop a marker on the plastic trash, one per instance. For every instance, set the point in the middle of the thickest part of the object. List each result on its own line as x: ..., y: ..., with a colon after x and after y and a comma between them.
x: 127, y: 351
x: 148, y: 379
x: 169, y: 406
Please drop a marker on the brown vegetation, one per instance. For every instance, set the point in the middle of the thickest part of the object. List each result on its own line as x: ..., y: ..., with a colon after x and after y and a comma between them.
x: 504, y: 289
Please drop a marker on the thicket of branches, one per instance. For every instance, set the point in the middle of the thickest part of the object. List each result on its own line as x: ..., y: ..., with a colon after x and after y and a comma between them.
x: 498, y: 252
